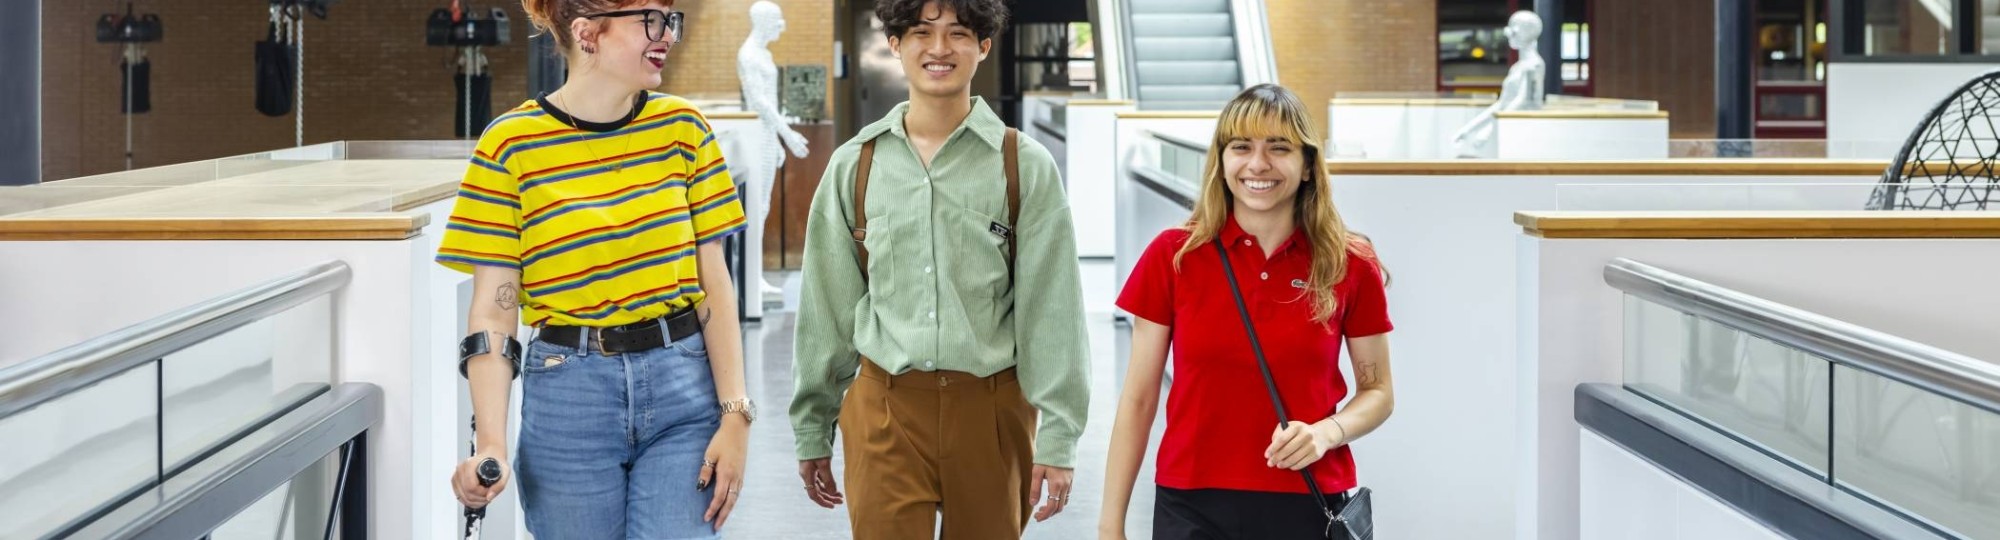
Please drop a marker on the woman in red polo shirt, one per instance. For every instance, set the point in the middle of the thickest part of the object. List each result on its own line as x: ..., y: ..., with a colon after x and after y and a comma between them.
x: 1225, y: 469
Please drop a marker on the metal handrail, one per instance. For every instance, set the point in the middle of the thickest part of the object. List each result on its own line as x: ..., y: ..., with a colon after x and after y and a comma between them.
x: 1254, y: 55
x: 1928, y: 368
x: 1179, y: 141
x: 219, y: 488
x: 1128, y: 44
x: 29, y: 384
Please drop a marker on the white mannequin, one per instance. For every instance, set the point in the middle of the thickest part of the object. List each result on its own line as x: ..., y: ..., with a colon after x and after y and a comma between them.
x: 1521, y: 91
x: 759, y: 75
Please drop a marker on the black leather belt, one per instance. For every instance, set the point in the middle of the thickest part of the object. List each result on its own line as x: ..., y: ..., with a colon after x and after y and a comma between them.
x: 644, y: 335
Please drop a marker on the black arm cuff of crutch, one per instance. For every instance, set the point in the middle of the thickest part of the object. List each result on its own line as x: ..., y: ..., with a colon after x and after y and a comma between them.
x: 480, y: 343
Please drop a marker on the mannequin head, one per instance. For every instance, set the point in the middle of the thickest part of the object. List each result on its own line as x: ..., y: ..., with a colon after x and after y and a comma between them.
x: 1523, y: 30
x: 766, y: 20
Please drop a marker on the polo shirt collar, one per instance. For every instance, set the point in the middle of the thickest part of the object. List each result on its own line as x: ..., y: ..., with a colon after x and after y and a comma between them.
x: 983, y: 124
x: 1233, y: 234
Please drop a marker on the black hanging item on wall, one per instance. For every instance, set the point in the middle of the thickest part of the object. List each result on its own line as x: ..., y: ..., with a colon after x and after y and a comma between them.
x: 137, y: 93
x: 475, y: 97
x: 134, y: 69
x: 464, y: 30
x: 274, y: 74
x: 130, y: 28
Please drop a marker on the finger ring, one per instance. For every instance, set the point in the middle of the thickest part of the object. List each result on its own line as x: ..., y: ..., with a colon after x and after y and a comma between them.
x: 735, y: 491
x: 708, y: 464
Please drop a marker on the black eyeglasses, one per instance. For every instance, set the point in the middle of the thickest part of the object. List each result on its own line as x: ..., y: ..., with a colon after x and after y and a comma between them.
x: 658, y: 22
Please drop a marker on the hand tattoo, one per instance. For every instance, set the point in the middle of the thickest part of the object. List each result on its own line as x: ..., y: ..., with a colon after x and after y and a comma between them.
x: 509, y: 296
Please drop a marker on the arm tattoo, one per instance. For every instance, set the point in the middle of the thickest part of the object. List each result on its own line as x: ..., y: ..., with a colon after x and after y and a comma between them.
x: 1364, y: 373
x: 509, y: 296
x: 705, y: 312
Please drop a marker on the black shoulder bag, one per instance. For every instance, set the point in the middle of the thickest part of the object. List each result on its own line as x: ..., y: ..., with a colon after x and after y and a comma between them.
x: 1354, y: 520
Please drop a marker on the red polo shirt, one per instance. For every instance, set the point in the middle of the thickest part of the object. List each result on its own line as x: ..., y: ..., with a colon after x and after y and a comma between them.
x: 1219, y: 415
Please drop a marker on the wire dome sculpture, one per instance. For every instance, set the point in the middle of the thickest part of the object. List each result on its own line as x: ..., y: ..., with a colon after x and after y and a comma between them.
x: 1948, y: 163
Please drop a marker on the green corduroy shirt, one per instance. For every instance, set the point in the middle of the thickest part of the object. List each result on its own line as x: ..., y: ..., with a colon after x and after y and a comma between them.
x: 937, y: 295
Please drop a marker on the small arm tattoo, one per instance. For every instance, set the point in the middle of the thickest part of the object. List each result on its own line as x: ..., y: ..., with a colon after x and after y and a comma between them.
x: 509, y: 296
x: 704, y: 314
x: 1364, y: 373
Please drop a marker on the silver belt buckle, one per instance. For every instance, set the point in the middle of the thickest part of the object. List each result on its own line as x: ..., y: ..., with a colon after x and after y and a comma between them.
x: 596, y: 333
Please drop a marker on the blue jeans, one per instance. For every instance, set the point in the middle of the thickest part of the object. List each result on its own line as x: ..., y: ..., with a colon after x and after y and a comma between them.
x: 611, y: 446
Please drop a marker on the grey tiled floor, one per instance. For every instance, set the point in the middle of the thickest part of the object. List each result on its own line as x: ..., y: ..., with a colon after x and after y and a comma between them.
x: 774, y: 503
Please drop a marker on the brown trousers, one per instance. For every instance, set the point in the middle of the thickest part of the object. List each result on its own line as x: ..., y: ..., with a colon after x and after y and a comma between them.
x: 924, y: 443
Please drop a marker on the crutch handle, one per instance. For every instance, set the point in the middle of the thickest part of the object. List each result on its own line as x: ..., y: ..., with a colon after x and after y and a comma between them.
x: 489, y: 472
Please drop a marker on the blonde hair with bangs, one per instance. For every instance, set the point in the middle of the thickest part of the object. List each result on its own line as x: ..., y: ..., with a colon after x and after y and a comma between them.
x: 1271, y: 111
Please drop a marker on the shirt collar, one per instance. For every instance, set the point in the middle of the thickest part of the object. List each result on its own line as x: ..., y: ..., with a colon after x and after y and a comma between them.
x: 983, y: 123
x: 1233, y: 235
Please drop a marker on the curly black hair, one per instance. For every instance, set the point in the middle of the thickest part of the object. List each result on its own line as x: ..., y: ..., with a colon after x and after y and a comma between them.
x: 986, y: 18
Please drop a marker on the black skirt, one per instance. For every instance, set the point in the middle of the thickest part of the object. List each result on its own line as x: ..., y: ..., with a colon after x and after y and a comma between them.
x: 1221, y: 514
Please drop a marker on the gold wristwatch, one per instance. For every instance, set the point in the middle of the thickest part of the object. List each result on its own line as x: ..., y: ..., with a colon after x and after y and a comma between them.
x: 741, y: 406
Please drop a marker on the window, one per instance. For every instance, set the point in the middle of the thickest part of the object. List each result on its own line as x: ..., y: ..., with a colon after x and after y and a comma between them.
x: 1575, y: 53
x: 1912, y: 30
x: 1473, y: 53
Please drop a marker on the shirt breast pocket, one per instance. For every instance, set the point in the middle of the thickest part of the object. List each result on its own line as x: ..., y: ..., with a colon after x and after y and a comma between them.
x: 979, y: 254
x: 884, y: 234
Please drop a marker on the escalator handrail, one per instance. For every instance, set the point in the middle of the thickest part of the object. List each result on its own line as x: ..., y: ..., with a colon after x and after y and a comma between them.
x: 1128, y: 46
x: 34, y: 382
x: 1945, y: 373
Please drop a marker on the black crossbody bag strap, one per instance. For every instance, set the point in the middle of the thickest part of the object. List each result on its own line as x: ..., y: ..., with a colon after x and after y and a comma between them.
x: 1269, y: 383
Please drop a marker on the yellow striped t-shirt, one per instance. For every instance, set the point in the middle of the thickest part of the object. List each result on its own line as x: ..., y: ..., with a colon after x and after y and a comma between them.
x: 601, y: 219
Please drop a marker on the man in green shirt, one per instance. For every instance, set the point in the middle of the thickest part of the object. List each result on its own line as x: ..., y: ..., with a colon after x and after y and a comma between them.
x: 934, y: 324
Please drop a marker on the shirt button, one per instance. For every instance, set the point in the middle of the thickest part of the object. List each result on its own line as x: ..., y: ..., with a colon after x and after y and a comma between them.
x: 1265, y: 275
x: 933, y: 314
x: 927, y: 269
x: 928, y: 364
x: 1246, y: 241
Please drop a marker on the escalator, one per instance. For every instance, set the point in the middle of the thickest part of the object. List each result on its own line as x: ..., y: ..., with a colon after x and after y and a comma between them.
x: 1193, y: 54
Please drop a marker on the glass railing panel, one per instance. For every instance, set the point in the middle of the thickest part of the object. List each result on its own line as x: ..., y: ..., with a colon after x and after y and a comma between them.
x: 63, y: 459
x: 1928, y: 456
x: 1758, y: 197
x: 296, y: 510
x: 230, y: 383
x: 440, y: 149
x: 1766, y: 197
x: 1184, y: 163
x: 1768, y: 395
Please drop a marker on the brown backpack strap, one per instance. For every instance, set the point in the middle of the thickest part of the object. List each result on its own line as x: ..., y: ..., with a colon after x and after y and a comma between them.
x: 860, y: 229
x: 1012, y: 152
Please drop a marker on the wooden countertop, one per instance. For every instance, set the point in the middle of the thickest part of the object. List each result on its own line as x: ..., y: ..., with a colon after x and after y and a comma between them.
x: 1654, y: 167
x: 1756, y: 225
x: 353, y: 199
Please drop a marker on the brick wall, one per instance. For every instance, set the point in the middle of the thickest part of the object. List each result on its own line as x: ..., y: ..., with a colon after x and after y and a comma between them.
x: 1326, y: 47
x: 705, y: 66
x: 1662, y: 50
x: 368, y: 76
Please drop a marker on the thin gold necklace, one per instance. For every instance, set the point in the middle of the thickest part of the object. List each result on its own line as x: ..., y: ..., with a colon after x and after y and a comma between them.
x: 615, y: 167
